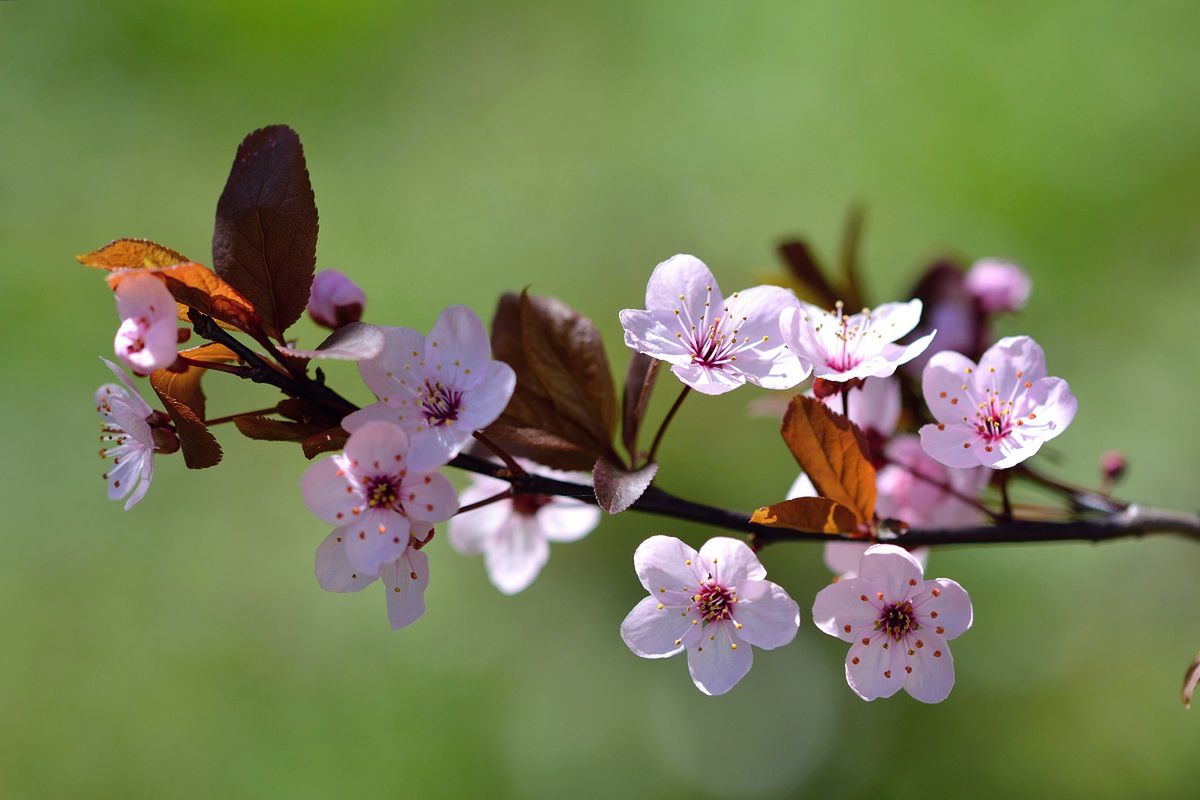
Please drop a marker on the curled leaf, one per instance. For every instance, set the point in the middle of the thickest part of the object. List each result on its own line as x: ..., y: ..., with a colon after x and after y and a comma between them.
x: 829, y: 449
x: 265, y: 238
x: 132, y: 254
x: 618, y: 488
x: 639, y: 383
x: 352, y: 342
x: 263, y: 428
x: 196, y: 286
x: 184, y: 384
x: 811, y: 514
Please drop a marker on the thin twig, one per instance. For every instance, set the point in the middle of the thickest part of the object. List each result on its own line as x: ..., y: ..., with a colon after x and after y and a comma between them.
x: 510, y: 463
x: 662, y: 429
x: 487, y: 501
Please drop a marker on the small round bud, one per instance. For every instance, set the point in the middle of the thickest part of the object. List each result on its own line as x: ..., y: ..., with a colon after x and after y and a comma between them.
x: 1000, y: 287
x: 1113, y: 466
x: 165, y: 440
x: 335, y: 300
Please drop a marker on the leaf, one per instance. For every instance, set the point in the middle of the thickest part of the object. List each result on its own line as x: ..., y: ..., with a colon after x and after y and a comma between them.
x: 799, y: 259
x: 196, y: 286
x: 324, y: 442
x: 639, y: 384
x: 1190, y: 678
x: 351, y: 342
x: 563, y: 411
x: 200, y: 448
x: 132, y: 253
x: 618, y: 488
x: 184, y: 385
x: 265, y: 238
x: 257, y: 426
x: 829, y: 449
x: 811, y: 514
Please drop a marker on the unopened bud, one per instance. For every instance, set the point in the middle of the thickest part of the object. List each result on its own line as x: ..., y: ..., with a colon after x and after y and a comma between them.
x: 1113, y: 466
x: 165, y: 440
x: 822, y: 388
x: 999, y: 286
x: 335, y: 300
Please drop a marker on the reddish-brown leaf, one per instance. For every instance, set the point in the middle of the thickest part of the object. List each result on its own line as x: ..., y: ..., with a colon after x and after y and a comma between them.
x: 639, y: 383
x: 830, y: 451
x: 200, y: 448
x: 184, y: 385
x: 811, y: 282
x: 196, y: 286
x: 811, y: 514
x: 324, y: 442
x: 256, y: 426
x: 618, y: 488
x: 265, y: 239
x: 131, y: 254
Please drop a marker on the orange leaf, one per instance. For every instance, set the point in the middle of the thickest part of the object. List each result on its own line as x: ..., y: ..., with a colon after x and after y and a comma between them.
x: 811, y: 514
x: 130, y: 254
x: 828, y: 448
x: 184, y: 385
x: 196, y: 286
x: 200, y: 448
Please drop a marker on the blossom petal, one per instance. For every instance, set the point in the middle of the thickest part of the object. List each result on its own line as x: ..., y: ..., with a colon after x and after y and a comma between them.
x: 652, y: 630
x: 893, y: 569
x: 145, y: 472
x: 567, y: 520
x: 932, y: 675
x: 378, y: 538
x: 852, y: 602
x: 1011, y: 362
x: 942, y: 385
x: 730, y: 561
x: 756, y: 314
x: 470, y: 532
x: 333, y: 570
x: 875, y: 667
x: 377, y: 448
x: 765, y: 615
x: 429, y: 497
x: 141, y: 294
x: 707, y: 380
x: 656, y: 335
x: 684, y: 282
x: 516, y: 554
x: 398, y: 372
x: 1054, y: 406
x: 667, y: 568
x: 949, y: 612
x: 457, y: 347
x: 433, y: 447
x: 893, y: 321
x: 406, y: 580
x: 842, y: 557
x: 718, y: 661
x: 487, y: 399
x: 876, y: 406
x: 380, y: 412
x: 134, y: 398
x: 329, y: 492
x: 954, y: 445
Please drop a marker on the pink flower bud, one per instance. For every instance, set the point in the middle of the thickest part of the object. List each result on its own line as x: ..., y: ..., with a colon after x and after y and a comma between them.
x: 1113, y: 465
x: 335, y: 300
x: 999, y: 286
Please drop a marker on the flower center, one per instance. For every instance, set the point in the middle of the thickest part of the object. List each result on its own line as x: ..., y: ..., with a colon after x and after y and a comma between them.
x: 897, y: 619
x: 993, y: 420
x: 528, y: 504
x: 713, y: 343
x: 440, y: 404
x: 383, y: 491
x: 714, y: 602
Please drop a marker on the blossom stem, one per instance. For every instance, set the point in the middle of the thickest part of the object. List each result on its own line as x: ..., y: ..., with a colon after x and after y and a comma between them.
x: 846, y: 400
x: 510, y: 463
x: 1006, y: 504
x: 487, y: 501
x: 662, y: 429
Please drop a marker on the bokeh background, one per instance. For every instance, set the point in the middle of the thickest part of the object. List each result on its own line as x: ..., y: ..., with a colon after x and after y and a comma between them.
x: 462, y: 149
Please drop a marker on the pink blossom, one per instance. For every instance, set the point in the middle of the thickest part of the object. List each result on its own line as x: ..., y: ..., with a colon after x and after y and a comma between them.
x: 148, y: 333
x: 335, y: 300
x: 999, y: 286
x: 404, y: 580
x: 376, y: 498
x: 843, y: 347
x: 842, y: 557
x: 874, y: 408
x: 922, y: 491
x: 998, y: 413
x: 713, y: 344
x: 439, y: 388
x: 125, y: 426
x: 898, y: 623
x: 715, y: 604
x: 514, y: 534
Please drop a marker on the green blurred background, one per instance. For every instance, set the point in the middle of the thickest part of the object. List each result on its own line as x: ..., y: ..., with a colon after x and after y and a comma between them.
x: 462, y: 149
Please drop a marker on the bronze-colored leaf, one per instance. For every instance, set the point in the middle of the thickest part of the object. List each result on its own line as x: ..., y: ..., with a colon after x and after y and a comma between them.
x: 324, y: 442
x: 811, y: 514
x: 639, y: 383
x: 196, y: 286
x: 184, y: 385
x: 1190, y: 678
x: 830, y: 451
x: 257, y: 426
x: 199, y: 446
x: 563, y: 411
x: 265, y: 239
x: 132, y: 254
x: 618, y: 488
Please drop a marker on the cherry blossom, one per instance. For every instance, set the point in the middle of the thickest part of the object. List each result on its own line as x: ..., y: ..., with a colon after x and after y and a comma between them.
x: 130, y: 439
x: 997, y: 413
x: 335, y: 300
x: 148, y: 333
x: 923, y: 492
x: 715, y: 604
x: 514, y: 534
x: 898, y: 624
x: 404, y: 580
x: 1000, y: 287
x: 844, y: 347
x: 379, y: 501
x: 714, y: 344
x: 439, y: 388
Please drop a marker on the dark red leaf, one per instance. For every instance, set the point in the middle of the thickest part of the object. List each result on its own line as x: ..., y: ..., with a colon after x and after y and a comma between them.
x: 639, y: 383
x: 618, y: 488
